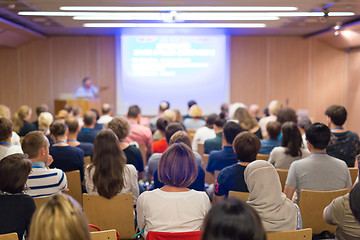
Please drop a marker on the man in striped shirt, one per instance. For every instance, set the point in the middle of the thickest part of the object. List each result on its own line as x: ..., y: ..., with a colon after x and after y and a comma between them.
x: 42, y: 181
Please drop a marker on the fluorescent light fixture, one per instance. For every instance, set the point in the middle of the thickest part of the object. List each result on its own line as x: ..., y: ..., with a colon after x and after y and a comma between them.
x: 175, y: 25
x: 178, y: 8
x: 340, y: 14
x: 56, y: 14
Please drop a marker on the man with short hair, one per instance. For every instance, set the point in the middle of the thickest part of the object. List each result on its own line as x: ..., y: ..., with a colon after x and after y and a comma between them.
x: 273, y: 129
x: 42, y: 180
x: 6, y: 148
x: 344, y: 144
x: 88, y: 131
x: 74, y: 128
x: 164, y: 105
x: 107, y: 113
x: 319, y: 171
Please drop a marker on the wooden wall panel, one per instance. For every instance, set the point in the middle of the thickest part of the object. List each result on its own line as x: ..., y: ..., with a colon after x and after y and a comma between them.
x: 353, y: 92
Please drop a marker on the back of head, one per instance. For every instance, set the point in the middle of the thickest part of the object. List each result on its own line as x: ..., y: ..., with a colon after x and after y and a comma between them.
x: 177, y: 166
x: 41, y: 108
x: 304, y: 123
x: 274, y: 107
x: 19, y: 117
x: 224, y: 107
x: 195, y: 112
x: 246, y: 120
x: 318, y: 135
x: 232, y: 219
x: 274, y: 129
x: 69, y: 109
x: 180, y: 136
x: 72, y: 124
x: 191, y: 103
x: 89, y: 118
x: 233, y: 107
x: 220, y: 120
x: 59, y: 218
x: 106, y: 108
x: 170, y: 114
x: 246, y: 146
x: 6, y: 127
x: 337, y: 113
x: 45, y: 119
x: 120, y: 126
x: 231, y: 130
x: 164, y: 105
x: 178, y: 117
x: 62, y: 115
x: 210, y: 120
x: 32, y: 143
x: 291, y: 139
x: 14, y: 172
x: 77, y: 111
x: 171, y: 129
x: 161, y: 123
x: 286, y: 115
x: 58, y: 128
x: 133, y: 111
x: 5, y: 112
x: 354, y: 198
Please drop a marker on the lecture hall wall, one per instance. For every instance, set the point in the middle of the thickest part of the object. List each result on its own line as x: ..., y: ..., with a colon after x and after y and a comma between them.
x: 301, y: 73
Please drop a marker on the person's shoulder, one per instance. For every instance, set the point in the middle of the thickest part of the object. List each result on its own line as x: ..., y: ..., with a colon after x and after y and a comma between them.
x: 131, y: 167
x: 278, y: 150
x: 231, y: 169
x: 216, y: 153
x: 353, y: 134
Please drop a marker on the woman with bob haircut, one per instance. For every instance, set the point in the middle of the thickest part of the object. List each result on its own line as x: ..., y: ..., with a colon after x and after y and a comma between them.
x: 109, y: 174
x: 16, y: 208
x: 174, y: 207
x: 59, y: 218
x: 291, y: 149
x: 232, y: 219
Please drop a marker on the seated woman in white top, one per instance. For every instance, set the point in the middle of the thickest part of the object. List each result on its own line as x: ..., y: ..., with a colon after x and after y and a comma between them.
x: 109, y: 174
x: 291, y: 149
x: 174, y: 207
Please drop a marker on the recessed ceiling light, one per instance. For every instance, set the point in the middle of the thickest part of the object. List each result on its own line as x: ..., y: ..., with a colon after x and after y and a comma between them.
x: 176, y: 25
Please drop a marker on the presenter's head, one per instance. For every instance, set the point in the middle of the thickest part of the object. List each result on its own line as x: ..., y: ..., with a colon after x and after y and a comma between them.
x: 87, y: 82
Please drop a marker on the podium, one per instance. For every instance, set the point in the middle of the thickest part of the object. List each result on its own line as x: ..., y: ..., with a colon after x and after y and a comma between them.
x: 84, y: 104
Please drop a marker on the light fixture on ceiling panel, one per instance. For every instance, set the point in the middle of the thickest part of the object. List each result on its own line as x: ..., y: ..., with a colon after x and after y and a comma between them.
x: 175, y: 25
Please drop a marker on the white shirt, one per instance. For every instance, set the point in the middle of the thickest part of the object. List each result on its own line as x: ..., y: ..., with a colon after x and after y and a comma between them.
x: 104, y: 119
x: 83, y: 92
x: 202, y: 134
x: 6, y: 151
x: 15, y: 139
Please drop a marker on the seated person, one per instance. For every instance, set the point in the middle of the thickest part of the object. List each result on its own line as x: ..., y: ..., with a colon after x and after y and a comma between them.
x: 16, y: 207
x: 88, y: 131
x: 247, y: 121
x: 174, y: 207
x: 225, y: 157
x: 215, y: 143
x: 6, y: 148
x: 66, y: 157
x: 40, y: 109
x: 196, y: 118
x: 160, y: 146
x: 44, y: 121
x: 246, y: 146
x: 273, y: 129
x: 206, y: 132
x: 22, y: 126
x: 74, y: 128
x: 5, y: 113
x: 198, y: 184
x: 42, y: 181
x: 107, y: 114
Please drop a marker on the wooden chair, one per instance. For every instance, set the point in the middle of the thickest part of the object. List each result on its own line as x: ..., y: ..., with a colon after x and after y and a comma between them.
x: 40, y: 201
x: 243, y: 196
x: 74, y: 185
x: 260, y: 156
x: 143, y: 150
x: 209, y: 178
x: 191, y: 133
x: 196, y: 235
x: 104, y: 235
x: 283, y: 176
x: 115, y: 213
x: 353, y: 173
x: 312, y: 204
x: 200, y: 148
x: 303, y: 234
x: 87, y: 161
x: 9, y: 236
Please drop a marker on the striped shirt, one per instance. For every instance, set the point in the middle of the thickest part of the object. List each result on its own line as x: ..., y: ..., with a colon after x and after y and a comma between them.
x: 43, y: 182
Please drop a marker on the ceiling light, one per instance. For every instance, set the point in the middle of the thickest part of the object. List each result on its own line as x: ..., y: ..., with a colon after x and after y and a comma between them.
x: 340, y: 14
x: 336, y: 33
x: 176, y: 25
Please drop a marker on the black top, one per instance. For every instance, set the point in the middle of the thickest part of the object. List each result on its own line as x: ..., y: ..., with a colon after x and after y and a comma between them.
x: 87, y: 135
x: 36, y: 124
x: 344, y: 146
x: 134, y: 157
x: 88, y: 148
x: 68, y: 158
x: 258, y: 133
x: 28, y: 127
x: 15, y: 213
x: 198, y: 185
x: 221, y: 159
x: 231, y: 179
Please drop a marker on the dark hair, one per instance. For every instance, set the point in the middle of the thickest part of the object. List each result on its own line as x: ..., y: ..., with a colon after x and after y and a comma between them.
x: 58, y: 128
x: 224, y: 107
x: 232, y: 219
x: 41, y: 108
x: 304, y: 123
x: 133, y: 111
x: 318, y: 134
x: 89, y: 117
x: 85, y: 80
x: 291, y: 139
x: 231, y: 130
x: 161, y: 123
x: 164, y: 105
x: 191, y: 103
x: 33, y: 142
x: 266, y: 112
x: 177, y: 166
x: 14, y: 172
x: 274, y: 129
x: 210, y: 120
x: 337, y: 113
x: 220, y: 121
x: 246, y: 146
x: 72, y: 123
x: 6, y: 127
x: 354, y: 198
x: 68, y: 108
x: 171, y: 129
x: 120, y: 126
x: 76, y: 111
x: 109, y: 161
x: 286, y: 115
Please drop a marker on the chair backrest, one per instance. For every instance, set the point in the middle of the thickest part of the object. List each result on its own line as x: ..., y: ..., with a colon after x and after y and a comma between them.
x: 143, y: 150
x: 115, y: 213
x: 200, y: 148
x: 353, y: 173
x: 312, y: 204
x: 9, y: 236
x: 196, y: 235
x: 104, y: 235
x: 243, y: 196
x: 282, y: 175
x: 260, y: 156
x: 40, y: 201
x: 191, y: 134
x: 87, y: 161
x: 303, y: 234
x: 74, y: 185
x: 209, y: 178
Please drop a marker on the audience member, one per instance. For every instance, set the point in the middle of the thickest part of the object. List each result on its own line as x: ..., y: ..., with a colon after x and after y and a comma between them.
x: 273, y: 131
x: 74, y: 128
x: 247, y: 121
x: 354, y: 197
x: 196, y: 118
x: 232, y: 219
x: 156, y: 210
x: 178, y: 117
x: 254, y: 110
x: 42, y: 181
x: 5, y: 113
x: 88, y: 131
x: 205, y: 132
x: 98, y: 126
x: 344, y: 144
x: 21, y: 119
x: 107, y: 113
x: 286, y: 115
x: 189, y: 104
x: 6, y: 148
x: 319, y: 171
x: 69, y: 109
x: 219, y: 159
x: 78, y: 114
x: 246, y: 146
x: 44, y: 121
x: 109, y: 174
x: 160, y: 146
x: 233, y: 107
x: 171, y: 116
x: 276, y: 212
x: 291, y: 149
x: 225, y: 110
x: 40, y: 109
x: 273, y: 108
x: 164, y: 105
x: 62, y: 115
x: 216, y: 142
x: 303, y: 124
x: 16, y: 207
x: 59, y: 218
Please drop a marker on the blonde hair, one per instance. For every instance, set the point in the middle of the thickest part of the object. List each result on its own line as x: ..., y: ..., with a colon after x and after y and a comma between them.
x: 274, y: 107
x: 5, y: 112
x: 59, y: 218
x: 246, y: 120
x: 195, y: 111
x: 170, y: 114
x: 45, y: 119
x: 19, y: 117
